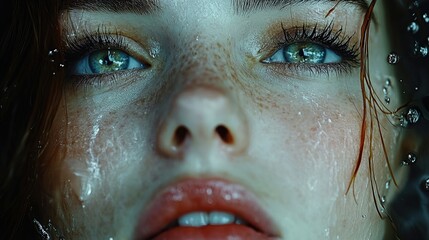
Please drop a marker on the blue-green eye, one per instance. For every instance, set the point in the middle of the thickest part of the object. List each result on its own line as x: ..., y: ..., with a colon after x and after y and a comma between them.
x: 304, y: 52
x: 105, y: 61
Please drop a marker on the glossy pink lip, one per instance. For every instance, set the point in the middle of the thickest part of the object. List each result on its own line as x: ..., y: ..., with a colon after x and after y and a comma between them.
x: 194, y: 194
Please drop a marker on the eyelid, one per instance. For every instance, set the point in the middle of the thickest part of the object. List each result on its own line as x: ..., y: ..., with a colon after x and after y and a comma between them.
x: 336, y: 39
x: 79, y: 45
x: 87, y: 42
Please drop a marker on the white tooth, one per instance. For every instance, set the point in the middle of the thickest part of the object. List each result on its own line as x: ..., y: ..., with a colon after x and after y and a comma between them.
x: 221, y: 218
x: 194, y: 219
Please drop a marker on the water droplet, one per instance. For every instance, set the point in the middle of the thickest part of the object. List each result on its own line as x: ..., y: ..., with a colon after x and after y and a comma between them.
x: 426, y: 17
x: 387, y: 184
x: 52, y: 52
x: 387, y: 99
x: 416, y: 88
x: 385, y: 90
x: 383, y: 199
x: 227, y: 197
x: 423, y: 51
x: 393, y: 58
x: 426, y: 184
x: 388, y: 82
x: 41, y: 230
x: 413, y: 5
x: 413, y: 27
x: 413, y: 115
x: 61, y: 65
x: 53, y: 73
x: 411, y: 158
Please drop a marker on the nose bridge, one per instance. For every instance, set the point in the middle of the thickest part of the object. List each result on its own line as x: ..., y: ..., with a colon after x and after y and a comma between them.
x: 202, y: 60
x: 204, y: 114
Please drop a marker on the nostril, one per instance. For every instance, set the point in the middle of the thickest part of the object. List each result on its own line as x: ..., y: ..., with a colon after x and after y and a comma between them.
x: 224, y: 134
x: 180, y: 136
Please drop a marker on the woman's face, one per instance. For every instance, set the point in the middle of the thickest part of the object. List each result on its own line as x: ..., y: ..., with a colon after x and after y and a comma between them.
x: 239, y: 118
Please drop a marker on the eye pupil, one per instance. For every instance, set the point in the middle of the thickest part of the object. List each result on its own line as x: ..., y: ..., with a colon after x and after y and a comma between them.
x: 105, y: 61
x: 305, y: 53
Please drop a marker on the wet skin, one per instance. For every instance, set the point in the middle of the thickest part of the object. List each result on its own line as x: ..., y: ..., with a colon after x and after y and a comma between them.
x: 206, y: 98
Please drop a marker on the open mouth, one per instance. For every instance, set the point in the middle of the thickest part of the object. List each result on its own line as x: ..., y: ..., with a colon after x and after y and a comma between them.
x: 204, y: 209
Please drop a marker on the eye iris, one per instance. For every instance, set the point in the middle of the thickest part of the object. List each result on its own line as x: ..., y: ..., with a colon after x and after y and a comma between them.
x: 305, y: 53
x: 104, y: 61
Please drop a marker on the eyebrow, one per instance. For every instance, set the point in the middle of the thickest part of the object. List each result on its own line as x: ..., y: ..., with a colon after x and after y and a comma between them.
x: 117, y: 6
x: 247, y: 6
x: 151, y: 6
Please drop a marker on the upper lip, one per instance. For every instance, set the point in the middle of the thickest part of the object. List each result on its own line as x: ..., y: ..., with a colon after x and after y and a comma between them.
x: 196, y: 194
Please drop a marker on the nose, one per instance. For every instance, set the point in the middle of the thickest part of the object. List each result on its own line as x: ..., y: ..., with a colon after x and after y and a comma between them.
x: 201, y: 118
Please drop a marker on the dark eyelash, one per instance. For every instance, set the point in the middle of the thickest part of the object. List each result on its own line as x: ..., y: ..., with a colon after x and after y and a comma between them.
x: 77, y: 47
x: 327, y: 37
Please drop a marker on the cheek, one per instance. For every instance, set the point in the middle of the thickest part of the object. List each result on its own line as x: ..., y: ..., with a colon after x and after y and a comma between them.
x: 100, y: 151
x: 313, y: 145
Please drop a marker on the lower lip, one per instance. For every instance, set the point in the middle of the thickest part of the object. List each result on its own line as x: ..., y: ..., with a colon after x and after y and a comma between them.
x: 236, y: 232
x: 208, y: 195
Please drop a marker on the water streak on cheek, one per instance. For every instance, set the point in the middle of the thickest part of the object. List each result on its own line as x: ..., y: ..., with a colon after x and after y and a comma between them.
x: 88, y: 172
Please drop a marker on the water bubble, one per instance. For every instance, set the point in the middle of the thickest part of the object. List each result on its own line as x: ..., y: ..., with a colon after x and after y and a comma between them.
x: 413, y: 115
x: 426, y: 17
x: 426, y: 184
x: 413, y: 27
x: 393, y: 58
x: 411, y: 158
x: 421, y: 51
x: 61, y: 65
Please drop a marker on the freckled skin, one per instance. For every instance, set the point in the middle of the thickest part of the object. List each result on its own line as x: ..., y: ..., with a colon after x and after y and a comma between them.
x: 296, y: 134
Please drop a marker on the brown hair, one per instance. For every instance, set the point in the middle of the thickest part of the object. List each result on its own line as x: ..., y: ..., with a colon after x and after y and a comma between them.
x: 29, y: 93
